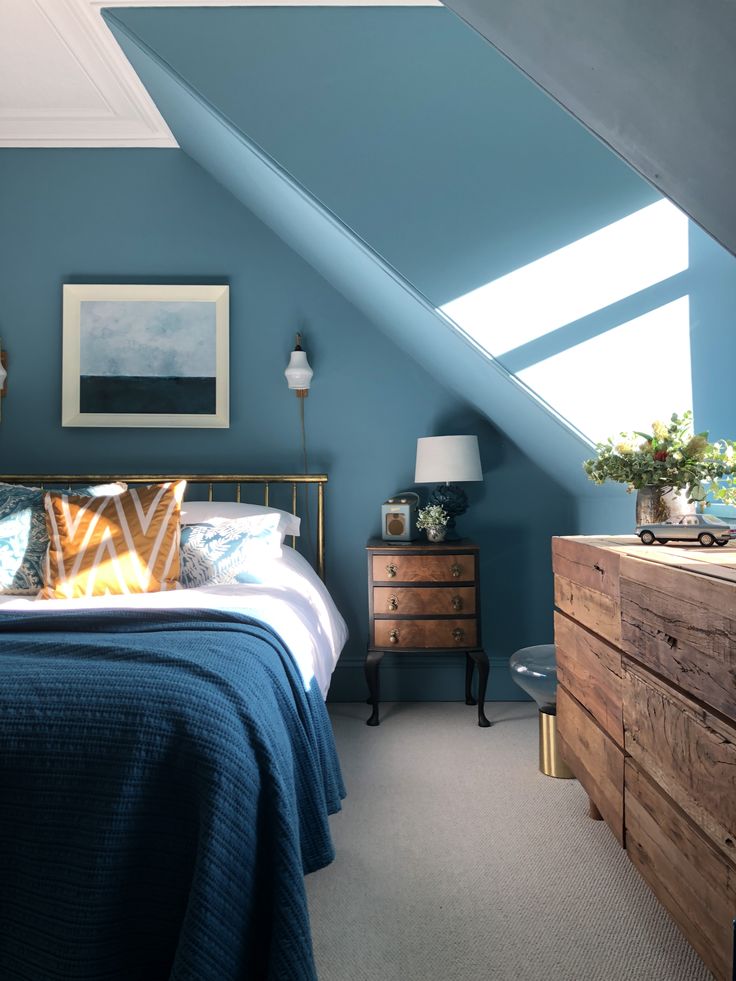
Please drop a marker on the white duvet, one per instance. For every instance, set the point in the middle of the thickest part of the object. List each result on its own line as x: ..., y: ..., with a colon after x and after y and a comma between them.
x: 292, y: 600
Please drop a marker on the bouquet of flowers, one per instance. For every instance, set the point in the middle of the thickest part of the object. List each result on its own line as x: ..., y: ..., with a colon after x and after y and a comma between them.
x: 671, y: 457
x: 432, y: 516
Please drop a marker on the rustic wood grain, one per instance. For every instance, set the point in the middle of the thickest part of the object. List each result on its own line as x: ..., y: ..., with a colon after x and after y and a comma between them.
x: 689, y: 752
x: 415, y: 599
x: 586, y: 564
x: 591, y: 670
x: 429, y: 634
x: 684, y: 627
x: 594, y: 758
x: 595, y: 610
x: 683, y: 869
x: 424, y: 568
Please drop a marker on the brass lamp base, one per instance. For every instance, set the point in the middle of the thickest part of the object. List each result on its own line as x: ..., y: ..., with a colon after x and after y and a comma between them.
x: 551, y: 763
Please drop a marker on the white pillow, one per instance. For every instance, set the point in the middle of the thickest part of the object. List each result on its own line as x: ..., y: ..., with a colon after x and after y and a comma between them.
x: 200, y: 512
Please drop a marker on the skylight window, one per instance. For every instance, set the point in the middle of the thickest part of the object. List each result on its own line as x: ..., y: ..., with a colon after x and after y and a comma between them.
x: 613, y: 263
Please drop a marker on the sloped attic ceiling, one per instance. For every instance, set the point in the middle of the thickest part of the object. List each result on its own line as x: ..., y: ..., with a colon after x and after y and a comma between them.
x: 654, y: 80
x: 401, y: 156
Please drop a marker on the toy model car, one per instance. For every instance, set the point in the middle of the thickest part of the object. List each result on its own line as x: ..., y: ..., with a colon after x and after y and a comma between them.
x: 703, y: 528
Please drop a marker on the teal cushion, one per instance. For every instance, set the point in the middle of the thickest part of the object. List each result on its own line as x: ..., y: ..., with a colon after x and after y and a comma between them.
x: 222, y: 551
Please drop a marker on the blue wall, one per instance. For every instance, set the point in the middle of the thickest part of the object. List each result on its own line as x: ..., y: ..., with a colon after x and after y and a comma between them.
x: 155, y: 216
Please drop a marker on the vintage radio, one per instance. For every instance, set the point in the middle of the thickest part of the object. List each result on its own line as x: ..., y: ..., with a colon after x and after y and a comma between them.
x: 399, y: 517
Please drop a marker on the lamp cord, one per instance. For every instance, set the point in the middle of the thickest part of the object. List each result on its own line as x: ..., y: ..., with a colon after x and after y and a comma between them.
x: 307, y: 518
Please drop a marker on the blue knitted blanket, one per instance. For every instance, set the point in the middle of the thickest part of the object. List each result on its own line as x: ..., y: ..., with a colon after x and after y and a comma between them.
x: 165, y: 782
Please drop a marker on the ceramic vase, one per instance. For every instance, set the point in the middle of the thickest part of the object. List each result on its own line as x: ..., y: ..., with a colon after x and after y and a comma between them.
x: 436, y: 534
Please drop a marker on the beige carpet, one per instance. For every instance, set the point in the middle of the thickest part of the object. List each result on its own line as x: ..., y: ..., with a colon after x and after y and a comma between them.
x: 458, y: 861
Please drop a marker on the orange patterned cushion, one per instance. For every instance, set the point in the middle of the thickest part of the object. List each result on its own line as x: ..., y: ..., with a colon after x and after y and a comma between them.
x: 104, y: 545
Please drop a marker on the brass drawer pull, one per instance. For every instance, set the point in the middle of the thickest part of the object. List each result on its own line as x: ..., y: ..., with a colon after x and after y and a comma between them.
x: 393, y: 603
x: 455, y: 570
x: 393, y: 636
x: 391, y: 570
x: 457, y: 634
x: 457, y: 603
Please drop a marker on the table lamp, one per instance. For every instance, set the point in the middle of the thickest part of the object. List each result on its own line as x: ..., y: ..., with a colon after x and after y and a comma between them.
x: 447, y: 461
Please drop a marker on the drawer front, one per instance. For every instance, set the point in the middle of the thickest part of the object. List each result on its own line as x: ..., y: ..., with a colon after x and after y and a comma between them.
x: 591, y: 670
x: 415, y: 599
x: 594, y: 758
x: 683, y: 870
x: 588, y: 565
x: 423, y: 568
x: 683, y: 626
x: 688, y: 751
x: 429, y: 634
x: 597, y: 611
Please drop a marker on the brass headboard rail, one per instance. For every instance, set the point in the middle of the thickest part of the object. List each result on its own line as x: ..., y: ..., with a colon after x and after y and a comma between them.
x: 320, y: 479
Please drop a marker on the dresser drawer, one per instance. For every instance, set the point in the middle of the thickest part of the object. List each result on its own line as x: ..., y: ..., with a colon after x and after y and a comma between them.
x: 429, y: 634
x: 682, y: 868
x: 689, y: 751
x: 591, y: 670
x: 594, y: 758
x: 683, y: 626
x: 416, y: 599
x: 423, y: 568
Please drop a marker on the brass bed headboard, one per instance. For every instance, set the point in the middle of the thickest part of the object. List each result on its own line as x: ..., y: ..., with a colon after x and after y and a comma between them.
x: 211, y: 480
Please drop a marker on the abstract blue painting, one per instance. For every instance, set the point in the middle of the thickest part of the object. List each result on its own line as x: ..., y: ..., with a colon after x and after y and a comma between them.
x: 147, y: 356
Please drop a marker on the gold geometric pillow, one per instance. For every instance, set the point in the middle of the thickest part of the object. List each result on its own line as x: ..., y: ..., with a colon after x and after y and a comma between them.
x: 111, y: 545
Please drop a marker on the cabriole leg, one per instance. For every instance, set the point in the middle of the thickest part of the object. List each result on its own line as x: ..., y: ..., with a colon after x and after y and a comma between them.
x: 469, y: 665
x: 481, y: 659
x: 372, y: 661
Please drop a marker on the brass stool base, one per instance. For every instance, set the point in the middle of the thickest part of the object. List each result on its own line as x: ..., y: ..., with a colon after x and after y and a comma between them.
x: 551, y: 763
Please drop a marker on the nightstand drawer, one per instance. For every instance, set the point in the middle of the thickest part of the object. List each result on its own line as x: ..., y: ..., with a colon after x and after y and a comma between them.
x: 418, y: 599
x: 429, y: 634
x: 423, y: 568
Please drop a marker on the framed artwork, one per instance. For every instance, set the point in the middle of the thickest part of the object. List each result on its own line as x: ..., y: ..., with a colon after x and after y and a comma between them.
x: 151, y: 356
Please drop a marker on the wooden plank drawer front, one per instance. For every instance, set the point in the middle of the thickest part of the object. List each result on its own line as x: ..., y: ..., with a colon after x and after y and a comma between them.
x: 424, y: 568
x: 684, y: 627
x: 594, y: 758
x: 591, y: 670
x: 415, y: 599
x: 690, y: 753
x: 596, y: 611
x: 430, y: 634
x: 587, y: 564
x: 683, y: 870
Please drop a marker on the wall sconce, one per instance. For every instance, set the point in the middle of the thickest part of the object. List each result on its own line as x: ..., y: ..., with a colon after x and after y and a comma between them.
x: 3, y: 371
x: 298, y: 372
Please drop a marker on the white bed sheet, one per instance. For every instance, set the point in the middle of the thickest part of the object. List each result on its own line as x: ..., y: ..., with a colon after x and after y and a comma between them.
x: 292, y: 600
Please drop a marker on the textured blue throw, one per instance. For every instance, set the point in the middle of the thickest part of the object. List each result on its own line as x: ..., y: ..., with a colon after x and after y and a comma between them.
x: 165, y: 783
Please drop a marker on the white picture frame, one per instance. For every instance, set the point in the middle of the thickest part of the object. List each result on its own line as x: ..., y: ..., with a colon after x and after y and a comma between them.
x: 161, y: 350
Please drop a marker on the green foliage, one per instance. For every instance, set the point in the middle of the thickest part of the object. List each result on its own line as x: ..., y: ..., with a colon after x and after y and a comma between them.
x: 432, y: 516
x: 670, y: 456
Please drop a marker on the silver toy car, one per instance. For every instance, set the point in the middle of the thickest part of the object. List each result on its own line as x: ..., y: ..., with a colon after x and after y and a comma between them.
x: 703, y: 528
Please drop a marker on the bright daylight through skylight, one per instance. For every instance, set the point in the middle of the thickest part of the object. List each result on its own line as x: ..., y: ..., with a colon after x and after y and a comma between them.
x: 582, y: 370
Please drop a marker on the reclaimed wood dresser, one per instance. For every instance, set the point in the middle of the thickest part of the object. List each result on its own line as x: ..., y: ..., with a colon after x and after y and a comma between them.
x: 646, y: 716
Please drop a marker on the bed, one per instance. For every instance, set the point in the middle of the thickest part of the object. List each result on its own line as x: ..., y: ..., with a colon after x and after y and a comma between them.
x: 167, y: 769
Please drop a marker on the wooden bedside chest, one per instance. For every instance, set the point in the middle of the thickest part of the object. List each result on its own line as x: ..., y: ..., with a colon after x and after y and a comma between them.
x: 425, y: 597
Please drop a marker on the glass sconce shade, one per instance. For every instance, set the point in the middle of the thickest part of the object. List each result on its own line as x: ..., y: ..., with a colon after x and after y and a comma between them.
x: 298, y: 371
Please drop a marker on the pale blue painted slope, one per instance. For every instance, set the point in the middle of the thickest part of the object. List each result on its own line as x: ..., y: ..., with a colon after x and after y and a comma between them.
x: 355, y: 269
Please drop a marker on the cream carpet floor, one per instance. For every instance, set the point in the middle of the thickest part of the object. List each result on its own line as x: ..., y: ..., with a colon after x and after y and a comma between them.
x: 458, y: 861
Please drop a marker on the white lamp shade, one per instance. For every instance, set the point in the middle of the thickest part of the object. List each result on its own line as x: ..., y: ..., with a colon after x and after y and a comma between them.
x: 447, y: 459
x: 3, y: 374
x: 298, y: 372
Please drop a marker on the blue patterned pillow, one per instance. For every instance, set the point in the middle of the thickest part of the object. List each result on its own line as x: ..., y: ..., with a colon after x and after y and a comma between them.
x: 223, y: 551
x: 23, y: 537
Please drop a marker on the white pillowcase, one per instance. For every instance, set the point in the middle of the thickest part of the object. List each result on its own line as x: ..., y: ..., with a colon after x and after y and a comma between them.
x: 202, y: 512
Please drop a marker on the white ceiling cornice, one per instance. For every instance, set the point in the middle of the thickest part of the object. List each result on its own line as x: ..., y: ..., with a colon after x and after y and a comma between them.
x: 65, y: 82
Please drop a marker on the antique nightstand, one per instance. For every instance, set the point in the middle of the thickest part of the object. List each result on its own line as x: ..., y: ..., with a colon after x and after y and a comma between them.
x: 425, y: 597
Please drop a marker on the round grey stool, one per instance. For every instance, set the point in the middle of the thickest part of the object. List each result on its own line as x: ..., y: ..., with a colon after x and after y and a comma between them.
x: 535, y: 670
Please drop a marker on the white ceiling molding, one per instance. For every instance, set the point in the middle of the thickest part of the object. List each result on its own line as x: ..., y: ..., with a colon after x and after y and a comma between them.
x: 65, y: 82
